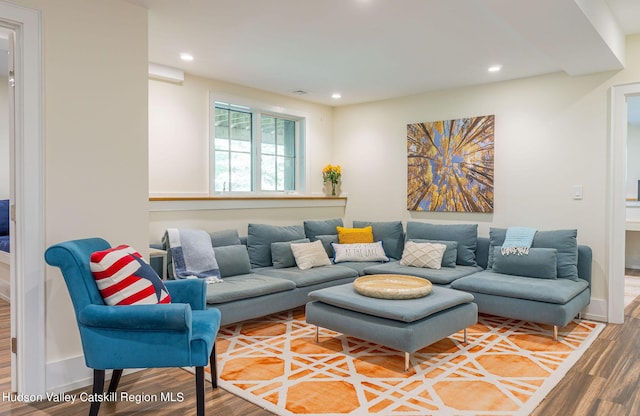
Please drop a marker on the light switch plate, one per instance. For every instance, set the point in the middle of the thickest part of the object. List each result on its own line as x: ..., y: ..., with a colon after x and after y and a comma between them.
x: 576, y: 191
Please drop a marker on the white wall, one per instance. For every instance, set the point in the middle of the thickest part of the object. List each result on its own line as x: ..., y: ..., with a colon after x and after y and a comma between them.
x: 179, y: 133
x: 95, y: 131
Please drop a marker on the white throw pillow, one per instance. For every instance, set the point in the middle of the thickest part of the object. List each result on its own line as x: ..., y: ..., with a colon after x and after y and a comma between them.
x: 310, y: 255
x: 423, y: 254
x: 359, y: 252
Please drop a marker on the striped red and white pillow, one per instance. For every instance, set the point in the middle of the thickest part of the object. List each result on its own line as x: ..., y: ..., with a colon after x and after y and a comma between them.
x: 124, y: 278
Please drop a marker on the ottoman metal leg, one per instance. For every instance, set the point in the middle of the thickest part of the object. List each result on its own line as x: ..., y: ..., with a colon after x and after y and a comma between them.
x: 407, y: 357
x: 465, y: 336
x: 317, y: 336
x: 555, y: 332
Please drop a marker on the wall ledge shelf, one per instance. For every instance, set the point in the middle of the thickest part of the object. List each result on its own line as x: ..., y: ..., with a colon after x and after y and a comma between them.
x: 243, y: 202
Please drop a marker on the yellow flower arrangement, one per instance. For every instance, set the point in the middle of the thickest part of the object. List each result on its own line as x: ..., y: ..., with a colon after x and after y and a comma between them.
x: 332, y: 174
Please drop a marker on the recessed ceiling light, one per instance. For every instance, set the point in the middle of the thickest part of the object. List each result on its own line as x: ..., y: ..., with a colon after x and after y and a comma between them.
x: 336, y: 96
x: 186, y: 57
x: 495, y: 68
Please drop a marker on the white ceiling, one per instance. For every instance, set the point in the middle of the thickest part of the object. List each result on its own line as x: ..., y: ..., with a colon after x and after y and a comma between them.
x: 377, y: 49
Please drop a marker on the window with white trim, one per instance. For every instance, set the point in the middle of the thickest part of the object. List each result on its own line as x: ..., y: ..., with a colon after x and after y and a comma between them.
x: 255, y: 150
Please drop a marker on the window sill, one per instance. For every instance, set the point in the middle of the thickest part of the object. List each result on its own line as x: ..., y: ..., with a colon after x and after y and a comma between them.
x: 244, y: 202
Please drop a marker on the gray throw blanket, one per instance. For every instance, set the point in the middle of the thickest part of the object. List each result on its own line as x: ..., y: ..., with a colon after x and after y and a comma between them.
x: 192, y: 254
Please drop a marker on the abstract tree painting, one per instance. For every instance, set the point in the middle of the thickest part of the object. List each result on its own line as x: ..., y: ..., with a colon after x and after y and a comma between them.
x: 450, y: 165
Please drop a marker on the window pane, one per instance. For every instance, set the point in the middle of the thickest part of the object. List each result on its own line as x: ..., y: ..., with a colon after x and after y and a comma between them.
x: 268, y: 173
x: 240, y: 126
x: 222, y: 172
x: 240, y: 172
x: 280, y: 174
x: 268, y: 135
x: 289, y: 176
x: 222, y: 123
x: 241, y: 146
x: 222, y: 144
x: 289, y: 138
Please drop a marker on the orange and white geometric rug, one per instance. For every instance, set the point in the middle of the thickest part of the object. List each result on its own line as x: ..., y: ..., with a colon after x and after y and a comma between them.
x: 507, y: 368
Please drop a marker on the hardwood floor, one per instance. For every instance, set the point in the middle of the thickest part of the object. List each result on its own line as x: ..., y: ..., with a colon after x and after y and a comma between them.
x: 605, y: 381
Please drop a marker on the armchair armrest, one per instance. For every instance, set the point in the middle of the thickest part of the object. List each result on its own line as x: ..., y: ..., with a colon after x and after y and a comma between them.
x: 191, y: 291
x: 167, y: 317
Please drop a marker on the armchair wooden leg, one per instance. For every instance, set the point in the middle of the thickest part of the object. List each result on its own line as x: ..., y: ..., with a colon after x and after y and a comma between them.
x: 213, y: 364
x: 98, y: 388
x: 200, y: 391
x: 115, y: 379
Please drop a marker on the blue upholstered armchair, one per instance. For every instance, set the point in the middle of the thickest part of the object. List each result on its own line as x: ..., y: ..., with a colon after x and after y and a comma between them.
x: 180, y: 334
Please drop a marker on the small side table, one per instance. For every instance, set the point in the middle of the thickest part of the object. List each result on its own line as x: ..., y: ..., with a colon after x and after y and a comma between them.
x: 156, y: 252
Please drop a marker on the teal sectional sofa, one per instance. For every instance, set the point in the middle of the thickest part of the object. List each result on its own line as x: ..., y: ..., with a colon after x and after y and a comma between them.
x: 260, y: 275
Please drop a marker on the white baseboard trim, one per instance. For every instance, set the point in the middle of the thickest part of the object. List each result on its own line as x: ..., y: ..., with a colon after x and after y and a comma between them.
x: 597, y: 310
x: 71, y: 374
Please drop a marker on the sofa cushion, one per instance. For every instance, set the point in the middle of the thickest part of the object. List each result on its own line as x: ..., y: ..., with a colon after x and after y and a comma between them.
x: 309, y: 255
x: 540, y: 263
x: 450, y: 254
x: 346, y: 297
x: 559, y: 291
x: 260, y: 237
x: 314, y: 228
x: 355, y: 235
x: 443, y: 276
x: 225, y: 238
x: 310, y: 277
x: 327, y: 240
x: 427, y: 255
x: 124, y: 278
x: 246, y: 286
x: 359, y: 252
x: 391, y: 233
x: 465, y: 234
x: 281, y: 254
x: 232, y: 260
x: 565, y: 241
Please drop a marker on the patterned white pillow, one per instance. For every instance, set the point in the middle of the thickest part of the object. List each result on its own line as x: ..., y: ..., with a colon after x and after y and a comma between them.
x: 310, y: 255
x: 427, y: 255
x: 359, y: 252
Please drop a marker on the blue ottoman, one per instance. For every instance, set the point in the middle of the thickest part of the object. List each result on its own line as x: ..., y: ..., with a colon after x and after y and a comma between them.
x: 407, y: 325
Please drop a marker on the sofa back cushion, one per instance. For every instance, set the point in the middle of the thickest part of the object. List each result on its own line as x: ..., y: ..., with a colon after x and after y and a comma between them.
x: 260, y: 237
x: 540, y: 263
x: 564, y: 241
x: 465, y: 234
x: 225, y: 238
x: 391, y: 233
x: 314, y: 228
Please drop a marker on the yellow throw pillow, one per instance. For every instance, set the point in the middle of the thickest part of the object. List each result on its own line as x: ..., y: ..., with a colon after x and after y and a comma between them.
x: 355, y: 235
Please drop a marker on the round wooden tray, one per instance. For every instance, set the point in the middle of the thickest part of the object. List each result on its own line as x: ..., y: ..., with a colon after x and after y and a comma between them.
x: 392, y: 286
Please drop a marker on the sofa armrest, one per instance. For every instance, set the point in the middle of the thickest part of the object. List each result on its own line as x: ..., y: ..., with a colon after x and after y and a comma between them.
x: 191, y: 291
x: 164, y: 317
x: 585, y: 259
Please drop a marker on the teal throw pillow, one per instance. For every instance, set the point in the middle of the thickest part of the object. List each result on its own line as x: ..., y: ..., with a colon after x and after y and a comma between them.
x: 540, y: 263
x: 281, y: 254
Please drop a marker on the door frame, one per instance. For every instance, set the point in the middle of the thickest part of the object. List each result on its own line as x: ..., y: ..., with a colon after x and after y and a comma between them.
x: 616, y: 197
x: 27, y: 261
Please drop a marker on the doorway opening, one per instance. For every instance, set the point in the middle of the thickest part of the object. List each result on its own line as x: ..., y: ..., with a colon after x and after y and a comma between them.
x: 617, y: 198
